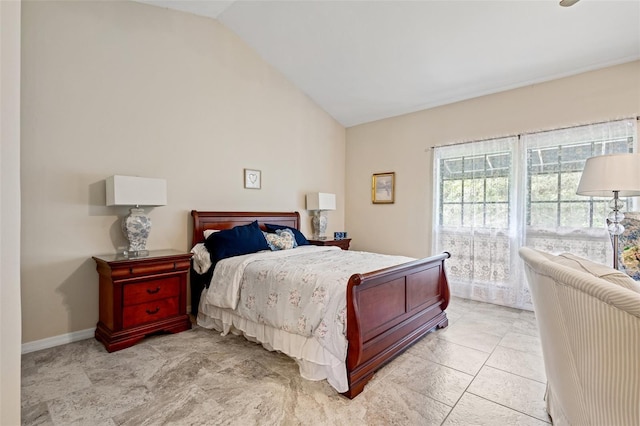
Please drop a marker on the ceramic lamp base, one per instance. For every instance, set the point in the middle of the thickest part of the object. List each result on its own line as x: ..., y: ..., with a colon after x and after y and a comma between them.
x: 319, y: 223
x: 136, y: 227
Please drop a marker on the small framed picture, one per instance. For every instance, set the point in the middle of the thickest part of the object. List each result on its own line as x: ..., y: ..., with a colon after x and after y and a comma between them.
x: 252, y: 179
x: 383, y: 188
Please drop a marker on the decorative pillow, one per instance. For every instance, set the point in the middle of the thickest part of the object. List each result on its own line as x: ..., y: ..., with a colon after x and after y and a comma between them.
x: 630, y: 261
x: 629, y: 245
x: 208, y: 232
x: 282, y: 241
x: 300, y: 238
x: 239, y: 240
x: 598, y: 270
x: 290, y: 234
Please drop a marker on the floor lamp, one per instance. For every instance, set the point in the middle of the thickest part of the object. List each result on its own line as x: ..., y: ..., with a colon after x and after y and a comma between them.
x: 616, y: 175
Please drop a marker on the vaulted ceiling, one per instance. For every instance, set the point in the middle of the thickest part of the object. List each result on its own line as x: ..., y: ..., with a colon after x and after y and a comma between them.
x: 364, y: 60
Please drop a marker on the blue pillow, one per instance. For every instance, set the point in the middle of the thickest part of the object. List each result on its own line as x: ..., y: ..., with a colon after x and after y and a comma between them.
x: 239, y: 240
x: 300, y: 238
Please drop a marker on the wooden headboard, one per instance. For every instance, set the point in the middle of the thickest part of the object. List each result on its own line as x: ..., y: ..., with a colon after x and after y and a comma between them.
x: 226, y: 220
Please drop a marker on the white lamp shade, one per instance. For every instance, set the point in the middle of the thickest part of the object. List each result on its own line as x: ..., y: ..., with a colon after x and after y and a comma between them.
x: 321, y: 201
x: 607, y: 173
x: 136, y: 191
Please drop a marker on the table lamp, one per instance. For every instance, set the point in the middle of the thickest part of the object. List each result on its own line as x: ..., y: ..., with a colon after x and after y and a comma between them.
x: 318, y: 203
x: 136, y: 191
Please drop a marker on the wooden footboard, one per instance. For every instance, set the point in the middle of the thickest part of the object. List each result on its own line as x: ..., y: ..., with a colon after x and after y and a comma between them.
x: 390, y: 309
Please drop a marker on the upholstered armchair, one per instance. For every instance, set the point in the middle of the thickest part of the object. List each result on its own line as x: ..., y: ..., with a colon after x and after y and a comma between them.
x: 588, y: 316
x: 629, y: 245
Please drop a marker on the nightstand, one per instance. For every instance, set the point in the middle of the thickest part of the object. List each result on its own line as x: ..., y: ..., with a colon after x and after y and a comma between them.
x: 140, y: 296
x: 343, y: 244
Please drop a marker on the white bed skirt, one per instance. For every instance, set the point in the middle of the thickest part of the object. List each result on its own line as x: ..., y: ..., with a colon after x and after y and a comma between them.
x: 314, y: 361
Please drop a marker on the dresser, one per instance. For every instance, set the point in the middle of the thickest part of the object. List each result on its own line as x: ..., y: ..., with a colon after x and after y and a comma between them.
x: 140, y: 296
x: 343, y: 244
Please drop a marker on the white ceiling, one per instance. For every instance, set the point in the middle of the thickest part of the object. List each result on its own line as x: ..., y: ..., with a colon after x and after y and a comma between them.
x: 364, y: 60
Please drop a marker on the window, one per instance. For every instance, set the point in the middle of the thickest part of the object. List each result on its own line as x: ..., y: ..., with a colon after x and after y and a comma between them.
x: 475, y: 190
x: 494, y: 196
x: 553, y: 174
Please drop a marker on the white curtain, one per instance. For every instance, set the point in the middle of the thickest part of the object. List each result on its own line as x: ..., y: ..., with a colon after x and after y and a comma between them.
x: 492, y: 197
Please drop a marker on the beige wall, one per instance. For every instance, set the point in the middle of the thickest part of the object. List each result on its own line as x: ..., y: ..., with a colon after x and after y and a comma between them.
x: 10, y: 212
x: 401, y: 145
x: 127, y: 88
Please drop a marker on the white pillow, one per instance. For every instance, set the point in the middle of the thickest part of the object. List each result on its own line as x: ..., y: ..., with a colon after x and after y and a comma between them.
x: 201, y: 258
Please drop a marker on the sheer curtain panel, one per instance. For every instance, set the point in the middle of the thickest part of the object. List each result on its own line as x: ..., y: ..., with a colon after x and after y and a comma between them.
x: 491, y: 197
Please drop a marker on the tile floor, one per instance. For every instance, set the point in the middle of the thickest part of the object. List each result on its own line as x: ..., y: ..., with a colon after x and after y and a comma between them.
x: 486, y: 368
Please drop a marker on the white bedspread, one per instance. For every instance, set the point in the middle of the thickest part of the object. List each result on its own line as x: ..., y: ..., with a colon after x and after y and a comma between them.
x: 299, y: 292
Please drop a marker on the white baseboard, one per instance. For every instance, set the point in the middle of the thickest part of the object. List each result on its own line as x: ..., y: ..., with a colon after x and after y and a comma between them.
x: 62, y: 339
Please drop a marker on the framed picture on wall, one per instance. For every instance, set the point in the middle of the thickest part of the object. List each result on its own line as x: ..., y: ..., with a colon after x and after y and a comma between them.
x: 252, y: 179
x: 383, y: 188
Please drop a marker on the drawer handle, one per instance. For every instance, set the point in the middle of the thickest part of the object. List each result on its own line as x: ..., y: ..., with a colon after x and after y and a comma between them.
x: 155, y: 311
x: 153, y: 291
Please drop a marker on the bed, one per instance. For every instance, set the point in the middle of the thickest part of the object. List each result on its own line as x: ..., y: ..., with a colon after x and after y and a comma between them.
x: 387, y: 309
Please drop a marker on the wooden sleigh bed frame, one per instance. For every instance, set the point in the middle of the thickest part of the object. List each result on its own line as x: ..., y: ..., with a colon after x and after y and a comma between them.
x: 387, y: 310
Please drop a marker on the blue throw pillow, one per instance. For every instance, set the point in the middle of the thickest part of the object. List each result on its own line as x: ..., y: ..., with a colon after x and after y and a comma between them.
x: 239, y: 240
x: 300, y: 238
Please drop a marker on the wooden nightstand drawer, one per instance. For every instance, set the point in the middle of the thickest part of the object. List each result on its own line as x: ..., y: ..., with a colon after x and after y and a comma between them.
x: 159, y: 268
x: 151, y: 290
x: 149, y: 312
